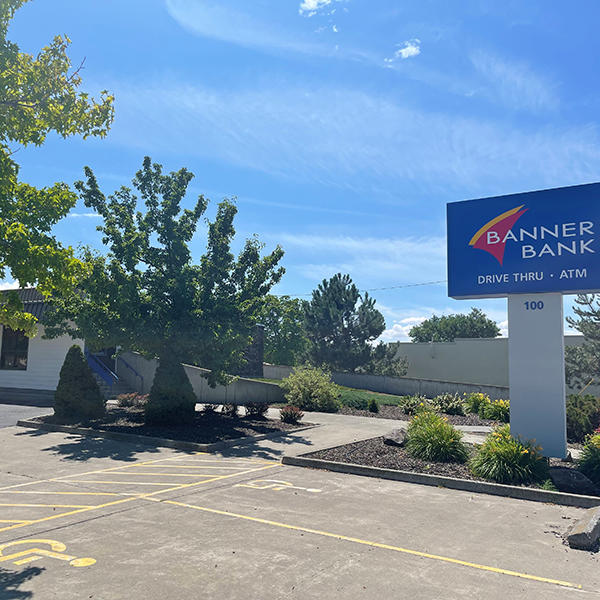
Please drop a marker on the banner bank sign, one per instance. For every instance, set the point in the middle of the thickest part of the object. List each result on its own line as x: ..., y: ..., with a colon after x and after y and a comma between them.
x: 536, y: 242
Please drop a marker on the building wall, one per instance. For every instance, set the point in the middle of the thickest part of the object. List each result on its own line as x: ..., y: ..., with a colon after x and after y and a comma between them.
x: 44, y: 361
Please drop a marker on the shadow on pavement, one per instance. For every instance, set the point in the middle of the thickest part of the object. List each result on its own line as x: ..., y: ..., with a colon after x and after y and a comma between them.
x: 81, y: 448
x: 261, y: 449
x: 10, y: 581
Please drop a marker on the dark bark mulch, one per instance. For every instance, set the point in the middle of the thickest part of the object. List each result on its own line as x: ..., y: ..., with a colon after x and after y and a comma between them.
x: 205, y: 429
x: 396, y: 412
x: 374, y: 453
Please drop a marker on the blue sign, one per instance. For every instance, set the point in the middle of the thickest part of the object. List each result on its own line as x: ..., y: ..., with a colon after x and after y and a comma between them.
x: 535, y: 242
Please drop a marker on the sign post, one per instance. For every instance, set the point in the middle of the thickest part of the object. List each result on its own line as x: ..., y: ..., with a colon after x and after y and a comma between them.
x: 530, y: 248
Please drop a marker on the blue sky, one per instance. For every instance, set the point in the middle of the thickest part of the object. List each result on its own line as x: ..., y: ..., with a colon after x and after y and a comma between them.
x: 343, y: 127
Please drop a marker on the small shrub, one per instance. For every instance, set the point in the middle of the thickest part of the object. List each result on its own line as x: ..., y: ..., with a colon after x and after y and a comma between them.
x: 506, y: 459
x: 431, y: 437
x: 411, y: 405
x: 589, y: 462
x: 256, y: 409
x: 171, y: 400
x: 497, y: 410
x: 230, y: 410
x: 583, y: 416
x: 291, y: 414
x: 133, y: 400
x: 373, y: 406
x: 474, y: 400
x: 548, y: 485
x: 310, y: 388
x: 451, y: 404
x: 77, y: 395
x: 356, y: 399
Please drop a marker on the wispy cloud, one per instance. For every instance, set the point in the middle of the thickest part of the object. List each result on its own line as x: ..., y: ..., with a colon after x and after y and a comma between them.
x: 341, y: 136
x: 309, y: 8
x: 515, y: 84
x: 88, y: 215
x: 406, y: 50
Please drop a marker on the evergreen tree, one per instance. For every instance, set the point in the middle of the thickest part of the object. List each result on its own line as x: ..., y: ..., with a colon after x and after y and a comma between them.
x: 583, y: 362
x: 341, y: 323
x: 77, y: 395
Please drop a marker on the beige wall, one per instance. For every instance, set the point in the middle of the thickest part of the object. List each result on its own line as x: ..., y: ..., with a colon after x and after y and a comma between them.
x: 44, y: 361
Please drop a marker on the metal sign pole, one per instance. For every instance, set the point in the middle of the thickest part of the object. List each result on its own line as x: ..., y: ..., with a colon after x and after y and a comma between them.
x: 536, y: 370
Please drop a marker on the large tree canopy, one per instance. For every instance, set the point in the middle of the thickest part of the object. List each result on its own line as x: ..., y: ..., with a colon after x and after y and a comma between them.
x: 341, y: 323
x: 148, y: 295
x: 285, y: 335
x: 38, y: 95
x: 447, y: 328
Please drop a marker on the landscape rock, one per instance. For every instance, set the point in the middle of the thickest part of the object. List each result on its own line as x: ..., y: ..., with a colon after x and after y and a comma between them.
x: 584, y: 534
x: 396, y: 437
x: 572, y: 481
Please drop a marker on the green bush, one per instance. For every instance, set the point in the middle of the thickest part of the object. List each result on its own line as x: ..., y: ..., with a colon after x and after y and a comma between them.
x: 583, y: 416
x: 506, y: 459
x: 589, y: 462
x: 451, y: 404
x: 310, y: 388
x: 497, y: 410
x: 133, y: 400
x: 256, y: 409
x: 411, y: 405
x: 230, y: 410
x: 474, y: 400
x: 373, y: 406
x: 357, y: 399
x: 77, y: 395
x: 172, y: 400
x: 431, y: 437
x: 291, y: 414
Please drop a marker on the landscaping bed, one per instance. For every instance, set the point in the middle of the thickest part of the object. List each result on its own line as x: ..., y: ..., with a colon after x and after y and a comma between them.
x: 206, y: 428
x: 397, y: 412
x: 374, y: 453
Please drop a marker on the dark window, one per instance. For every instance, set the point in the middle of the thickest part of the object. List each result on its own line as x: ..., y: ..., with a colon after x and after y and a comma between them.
x: 14, y: 350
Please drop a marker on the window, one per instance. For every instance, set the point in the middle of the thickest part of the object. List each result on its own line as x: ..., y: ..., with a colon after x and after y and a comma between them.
x: 14, y: 350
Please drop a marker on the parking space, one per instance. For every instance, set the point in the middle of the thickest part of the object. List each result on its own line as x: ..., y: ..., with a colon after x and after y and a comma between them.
x: 173, y: 524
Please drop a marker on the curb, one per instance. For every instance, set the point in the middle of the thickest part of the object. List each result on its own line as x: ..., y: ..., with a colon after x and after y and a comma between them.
x: 155, y: 441
x: 467, y: 485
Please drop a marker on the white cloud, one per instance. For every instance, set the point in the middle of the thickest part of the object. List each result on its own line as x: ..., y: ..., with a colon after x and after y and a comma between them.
x: 514, y: 84
x: 408, y: 49
x: 398, y: 332
x: 88, y: 215
x: 311, y: 7
x: 9, y: 285
x: 340, y: 136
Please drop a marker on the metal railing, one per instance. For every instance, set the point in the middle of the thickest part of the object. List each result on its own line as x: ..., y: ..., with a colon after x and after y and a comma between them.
x: 101, y: 369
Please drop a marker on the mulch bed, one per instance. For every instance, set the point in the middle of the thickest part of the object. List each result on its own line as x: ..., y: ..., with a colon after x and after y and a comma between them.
x: 374, y: 453
x: 205, y: 429
x: 396, y: 412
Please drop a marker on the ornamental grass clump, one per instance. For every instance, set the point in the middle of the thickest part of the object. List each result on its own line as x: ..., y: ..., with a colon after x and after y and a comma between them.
x: 505, y: 459
x: 474, y: 400
x: 431, y: 437
x: 496, y: 410
x: 411, y: 405
x: 589, y: 462
x: 451, y: 404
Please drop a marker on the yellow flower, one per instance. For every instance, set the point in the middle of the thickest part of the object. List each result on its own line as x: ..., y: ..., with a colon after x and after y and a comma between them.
x: 524, y: 451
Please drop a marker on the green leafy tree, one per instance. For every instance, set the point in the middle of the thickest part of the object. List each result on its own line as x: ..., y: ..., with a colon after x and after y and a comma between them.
x: 447, y: 328
x: 77, y: 395
x: 583, y: 362
x: 38, y: 95
x: 285, y: 334
x: 148, y: 295
x: 386, y: 361
x: 341, y: 323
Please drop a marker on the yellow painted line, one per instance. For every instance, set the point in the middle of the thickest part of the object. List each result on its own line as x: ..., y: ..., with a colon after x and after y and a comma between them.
x: 346, y: 538
x: 14, y: 521
x: 62, y: 493
x: 122, y: 482
x: 193, y: 467
x: 52, y: 505
x: 129, y: 473
x: 129, y: 466
x: 136, y: 497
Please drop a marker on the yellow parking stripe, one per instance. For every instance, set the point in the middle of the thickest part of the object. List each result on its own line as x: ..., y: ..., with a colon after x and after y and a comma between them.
x: 346, y: 538
x: 53, y: 505
x: 13, y: 521
x: 192, y: 467
x: 129, y: 473
x: 136, y: 497
x: 122, y: 482
x: 62, y: 493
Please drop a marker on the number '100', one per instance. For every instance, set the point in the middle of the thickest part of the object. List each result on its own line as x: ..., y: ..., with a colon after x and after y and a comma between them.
x: 535, y: 305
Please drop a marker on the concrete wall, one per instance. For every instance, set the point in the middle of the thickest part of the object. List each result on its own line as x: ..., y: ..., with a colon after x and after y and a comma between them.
x: 241, y: 391
x: 398, y: 386
x: 44, y: 361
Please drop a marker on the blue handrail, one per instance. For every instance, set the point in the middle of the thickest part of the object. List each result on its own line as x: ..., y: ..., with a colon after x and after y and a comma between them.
x: 125, y: 363
x: 101, y: 369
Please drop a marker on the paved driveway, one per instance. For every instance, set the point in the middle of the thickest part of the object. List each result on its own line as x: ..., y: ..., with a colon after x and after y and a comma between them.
x: 92, y: 518
x: 11, y: 413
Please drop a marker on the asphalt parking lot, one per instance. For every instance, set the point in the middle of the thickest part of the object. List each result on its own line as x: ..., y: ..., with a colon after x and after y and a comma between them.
x: 91, y: 518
